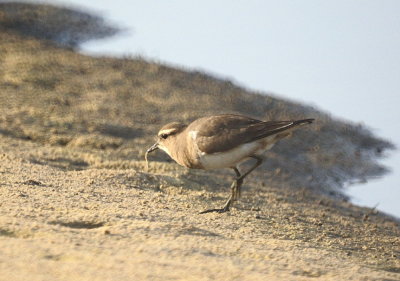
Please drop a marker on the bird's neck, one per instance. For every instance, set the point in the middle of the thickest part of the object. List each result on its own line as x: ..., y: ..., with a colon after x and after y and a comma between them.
x: 182, y: 152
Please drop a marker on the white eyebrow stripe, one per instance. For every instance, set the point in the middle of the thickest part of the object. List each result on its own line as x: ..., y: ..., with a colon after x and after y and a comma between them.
x: 166, y: 131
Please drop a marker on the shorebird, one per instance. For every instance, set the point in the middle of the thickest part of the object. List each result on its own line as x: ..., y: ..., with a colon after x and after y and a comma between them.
x: 222, y: 141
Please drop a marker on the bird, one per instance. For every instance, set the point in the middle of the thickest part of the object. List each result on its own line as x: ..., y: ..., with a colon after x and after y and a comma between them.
x: 222, y: 141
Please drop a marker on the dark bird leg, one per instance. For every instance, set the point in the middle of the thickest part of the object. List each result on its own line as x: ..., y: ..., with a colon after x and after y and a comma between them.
x: 235, y: 192
x: 236, y: 184
x: 235, y: 187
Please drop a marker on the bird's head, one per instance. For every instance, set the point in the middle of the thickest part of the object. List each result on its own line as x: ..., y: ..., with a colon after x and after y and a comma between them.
x: 166, y: 137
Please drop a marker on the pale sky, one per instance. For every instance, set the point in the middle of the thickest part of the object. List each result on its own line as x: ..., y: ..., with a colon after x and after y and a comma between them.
x: 342, y: 56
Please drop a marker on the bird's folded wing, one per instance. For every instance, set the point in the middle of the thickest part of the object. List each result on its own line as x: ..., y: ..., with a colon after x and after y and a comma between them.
x: 225, y: 136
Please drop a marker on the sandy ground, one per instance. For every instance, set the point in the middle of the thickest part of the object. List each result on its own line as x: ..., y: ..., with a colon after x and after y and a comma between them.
x: 110, y: 224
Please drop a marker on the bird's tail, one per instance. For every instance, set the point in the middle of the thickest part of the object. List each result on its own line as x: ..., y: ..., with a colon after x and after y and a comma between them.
x: 304, y: 121
x: 270, y: 128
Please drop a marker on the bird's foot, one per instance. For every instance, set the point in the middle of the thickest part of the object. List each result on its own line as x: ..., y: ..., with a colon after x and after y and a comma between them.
x: 224, y: 209
x: 220, y: 211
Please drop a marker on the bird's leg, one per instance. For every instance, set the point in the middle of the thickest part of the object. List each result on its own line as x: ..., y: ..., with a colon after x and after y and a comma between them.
x: 236, y: 184
x: 258, y: 163
x: 235, y: 187
x: 235, y: 194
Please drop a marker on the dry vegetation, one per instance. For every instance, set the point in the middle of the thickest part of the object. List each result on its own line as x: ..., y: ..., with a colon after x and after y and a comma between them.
x: 76, y: 203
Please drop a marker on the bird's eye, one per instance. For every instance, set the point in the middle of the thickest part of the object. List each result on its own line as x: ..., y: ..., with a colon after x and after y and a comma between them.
x: 164, y: 136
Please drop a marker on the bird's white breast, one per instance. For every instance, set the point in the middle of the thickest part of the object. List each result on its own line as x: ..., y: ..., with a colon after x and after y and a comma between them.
x: 234, y: 156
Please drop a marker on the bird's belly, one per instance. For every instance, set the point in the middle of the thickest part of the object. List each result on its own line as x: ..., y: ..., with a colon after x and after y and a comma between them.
x: 232, y: 157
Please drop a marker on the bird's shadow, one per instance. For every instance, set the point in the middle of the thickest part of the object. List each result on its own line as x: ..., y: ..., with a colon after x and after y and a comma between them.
x: 208, y: 180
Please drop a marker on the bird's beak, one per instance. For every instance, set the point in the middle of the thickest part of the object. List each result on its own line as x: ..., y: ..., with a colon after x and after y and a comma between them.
x: 152, y: 148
